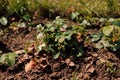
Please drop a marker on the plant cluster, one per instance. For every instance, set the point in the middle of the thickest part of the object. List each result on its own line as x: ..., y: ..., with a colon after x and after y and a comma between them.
x: 108, y: 37
x: 60, y: 37
x: 57, y: 37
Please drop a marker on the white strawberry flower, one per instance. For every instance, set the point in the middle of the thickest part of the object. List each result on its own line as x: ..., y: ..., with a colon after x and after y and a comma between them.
x: 41, y: 46
x: 39, y: 36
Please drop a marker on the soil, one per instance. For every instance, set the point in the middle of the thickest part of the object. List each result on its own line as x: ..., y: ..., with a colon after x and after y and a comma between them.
x: 94, y: 65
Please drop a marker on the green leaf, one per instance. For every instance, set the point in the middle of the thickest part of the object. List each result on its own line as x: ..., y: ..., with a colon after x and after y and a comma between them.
x: 99, y: 45
x: 68, y: 37
x: 49, y: 25
x: 26, y: 17
x: 22, y: 25
x: 8, y: 58
x: 11, y: 59
x: 61, y: 39
x: 65, y: 26
x: 3, y: 58
x: 102, y: 44
x: 81, y: 52
x: 105, y: 43
x: 55, y: 55
x: 58, y: 21
x: 74, y: 77
x: 85, y: 22
x: 51, y: 29
x: 3, y: 21
x: 96, y: 37
x: 74, y: 15
x: 114, y: 47
x: 116, y: 23
x: 107, y: 30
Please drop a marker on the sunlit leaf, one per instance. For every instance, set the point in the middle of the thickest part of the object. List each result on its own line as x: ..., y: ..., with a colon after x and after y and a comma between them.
x: 74, y: 77
x: 99, y: 45
x: 81, y: 52
x: 107, y: 30
x: 8, y: 58
x: 96, y: 37
x: 115, y: 47
x: 55, y: 55
x: 74, y: 15
x: 102, y: 19
x: 61, y: 39
x: 105, y: 43
x: 22, y: 25
x: 64, y: 26
x: 85, y: 22
x: 3, y: 21
x: 3, y: 57
x: 11, y: 59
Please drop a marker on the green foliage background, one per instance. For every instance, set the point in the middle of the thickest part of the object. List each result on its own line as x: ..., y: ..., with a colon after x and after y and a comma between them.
x: 62, y: 7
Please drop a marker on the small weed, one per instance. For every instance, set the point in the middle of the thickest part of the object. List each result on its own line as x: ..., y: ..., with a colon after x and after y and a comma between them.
x: 74, y: 77
x: 110, y: 68
x: 8, y: 58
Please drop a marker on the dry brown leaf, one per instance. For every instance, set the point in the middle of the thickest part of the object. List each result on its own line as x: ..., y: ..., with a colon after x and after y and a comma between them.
x: 14, y: 28
x: 88, y: 59
x: 91, y: 69
x: 30, y: 49
x: 19, y: 51
x: 62, y: 29
x: 80, y: 75
x: 102, y: 60
x: 86, y: 76
x: 67, y: 61
x: 43, y: 62
x: 25, y: 56
x: 98, y: 62
x: 94, y: 54
x: 72, y: 64
x: 79, y: 37
x: 42, y: 59
x: 29, y: 66
x: 43, y: 66
x: 87, y: 66
x: 13, y: 18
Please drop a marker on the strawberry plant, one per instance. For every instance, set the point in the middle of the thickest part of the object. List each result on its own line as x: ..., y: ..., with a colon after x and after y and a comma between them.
x: 108, y: 37
x: 58, y: 37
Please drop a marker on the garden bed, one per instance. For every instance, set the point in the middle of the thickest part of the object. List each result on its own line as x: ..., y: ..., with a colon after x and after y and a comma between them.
x: 95, y: 64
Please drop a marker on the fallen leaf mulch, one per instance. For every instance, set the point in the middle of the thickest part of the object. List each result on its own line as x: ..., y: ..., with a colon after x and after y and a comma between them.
x: 94, y: 65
